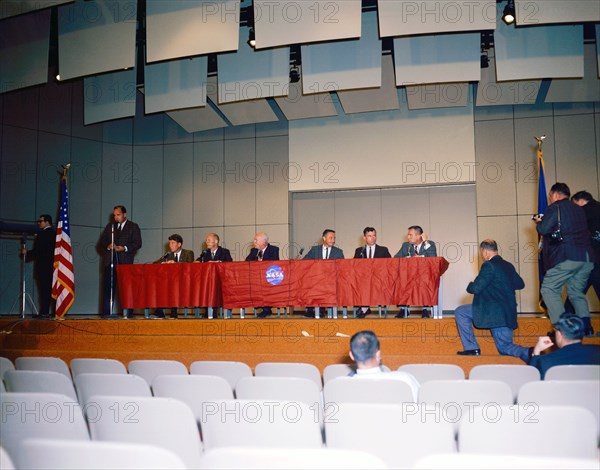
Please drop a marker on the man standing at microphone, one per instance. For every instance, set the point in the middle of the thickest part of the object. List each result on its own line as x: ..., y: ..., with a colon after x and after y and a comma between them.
x: 119, y: 243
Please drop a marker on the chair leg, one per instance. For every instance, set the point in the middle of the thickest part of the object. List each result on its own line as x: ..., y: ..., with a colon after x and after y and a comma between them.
x: 242, y: 313
x: 345, y: 312
x: 146, y: 313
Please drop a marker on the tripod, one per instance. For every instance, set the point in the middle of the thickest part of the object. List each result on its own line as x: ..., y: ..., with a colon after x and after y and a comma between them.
x: 24, y: 296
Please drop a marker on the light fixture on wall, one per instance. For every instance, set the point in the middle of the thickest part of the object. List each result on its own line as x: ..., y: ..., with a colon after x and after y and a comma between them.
x: 294, y: 74
x: 509, y: 12
x: 251, y: 38
x: 485, y: 60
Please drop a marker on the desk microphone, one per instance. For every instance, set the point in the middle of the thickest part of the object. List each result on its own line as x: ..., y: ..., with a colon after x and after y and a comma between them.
x: 300, y: 253
x: 165, y: 255
x: 204, y: 253
x: 362, y: 253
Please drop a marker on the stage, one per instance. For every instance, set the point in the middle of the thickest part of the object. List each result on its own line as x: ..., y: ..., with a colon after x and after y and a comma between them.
x: 284, y: 339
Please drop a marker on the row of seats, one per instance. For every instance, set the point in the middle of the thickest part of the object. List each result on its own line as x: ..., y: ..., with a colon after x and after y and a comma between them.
x: 399, y: 435
x: 514, y: 375
x: 199, y: 391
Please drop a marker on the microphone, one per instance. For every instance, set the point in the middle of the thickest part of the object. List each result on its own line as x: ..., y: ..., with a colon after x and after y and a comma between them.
x: 165, y: 255
x: 204, y: 253
x: 362, y: 253
x: 300, y: 253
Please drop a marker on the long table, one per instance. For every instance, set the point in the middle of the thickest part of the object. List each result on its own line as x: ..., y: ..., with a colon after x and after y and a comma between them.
x: 323, y: 283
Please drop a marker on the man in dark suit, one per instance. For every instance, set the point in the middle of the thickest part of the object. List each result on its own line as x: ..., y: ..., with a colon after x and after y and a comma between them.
x: 263, y: 251
x: 42, y: 255
x: 176, y: 254
x: 591, y: 207
x: 568, y: 259
x: 370, y: 250
x: 417, y: 245
x: 494, y: 305
x: 326, y: 250
x: 213, y: 251
x: 127, y: 241
x: 569, y: 331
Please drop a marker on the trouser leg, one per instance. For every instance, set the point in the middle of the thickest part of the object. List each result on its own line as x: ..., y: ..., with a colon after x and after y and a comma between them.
x: 463, y: 316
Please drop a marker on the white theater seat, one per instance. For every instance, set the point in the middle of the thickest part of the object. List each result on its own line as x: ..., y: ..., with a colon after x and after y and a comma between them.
x: 232, y: 371
x: 124, y: 385
x: 289, y: 369
x: 148, y: 369
x: 39, y: 381
x: 580, y: 372
x: 515, y: 375
x: 97, y: 366
x: 426, y: 372
x: 54, y: 364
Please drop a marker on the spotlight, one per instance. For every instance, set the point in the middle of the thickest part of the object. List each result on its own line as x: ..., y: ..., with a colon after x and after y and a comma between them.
x: 509, y: 12
x: 58, y: 77
x: 251, y: 38
x: 294, y: 74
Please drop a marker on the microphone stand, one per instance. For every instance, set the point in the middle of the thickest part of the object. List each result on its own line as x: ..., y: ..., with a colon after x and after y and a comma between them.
x: 112, y: 267
x: 24, y: 295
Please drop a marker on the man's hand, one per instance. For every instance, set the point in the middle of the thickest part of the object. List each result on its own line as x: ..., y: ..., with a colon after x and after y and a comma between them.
x: 544, y: 342
x: 23, y: 251
x: 537, y: 219
x: 116, y: 247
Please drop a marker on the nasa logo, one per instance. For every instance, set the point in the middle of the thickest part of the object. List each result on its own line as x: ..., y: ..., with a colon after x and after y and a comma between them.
x: 274, y: 275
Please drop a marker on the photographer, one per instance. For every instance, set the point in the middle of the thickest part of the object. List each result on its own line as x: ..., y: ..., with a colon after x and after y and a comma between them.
x: 567, y: 254
x: 591, y: 207
x: 568, y: 332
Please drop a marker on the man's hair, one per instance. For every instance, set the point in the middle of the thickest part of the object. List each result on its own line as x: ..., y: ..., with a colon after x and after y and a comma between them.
x: 570, y: 326
x: 121, y: 208
x: 46, y: 218
x: 327, y: 230
x: 368, y: 229
x: 364, y: 345
x: 176, y: 237
x: 582, y: 195
x: 214, y: 235
x: 490, y: 245
x: 561, y: 188
x: 416, y: 228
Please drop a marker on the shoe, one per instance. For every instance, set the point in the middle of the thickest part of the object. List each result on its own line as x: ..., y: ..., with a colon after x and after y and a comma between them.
x: 265, y: 313
x: 589, y: 329
x: 310, y: 313
x: 361, y: 314
x: 107, y: 316
x: 469, y: 352
x: 403, y: 313
x: 425, y: 313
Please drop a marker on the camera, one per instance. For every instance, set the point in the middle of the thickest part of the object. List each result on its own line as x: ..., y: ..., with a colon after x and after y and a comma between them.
x: 534, y: 216
x: 556, y: 236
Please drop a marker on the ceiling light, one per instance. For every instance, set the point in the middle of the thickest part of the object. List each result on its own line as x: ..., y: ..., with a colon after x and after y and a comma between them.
x: 509, y: 12
x: 251, y: 38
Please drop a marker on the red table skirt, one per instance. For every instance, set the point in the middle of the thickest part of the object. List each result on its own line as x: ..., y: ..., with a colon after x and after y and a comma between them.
x: 392, y: 281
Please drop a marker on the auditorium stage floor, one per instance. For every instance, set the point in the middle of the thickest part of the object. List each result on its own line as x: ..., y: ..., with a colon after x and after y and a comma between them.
x: 286, y: 339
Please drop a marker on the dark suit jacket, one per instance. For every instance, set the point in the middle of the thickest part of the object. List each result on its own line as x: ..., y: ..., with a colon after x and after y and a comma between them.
x: 494, y: 304
x: 408, y: 250
x: 576, y: 244
x: 592, y: 215
x: 380, y: 252
x: 129, y: 236
x: 572, y: 354
x: 42, y: 253
x: 316, y: 252
x: 271, y: 254
x: 186, y: 256
x: 222, y: 254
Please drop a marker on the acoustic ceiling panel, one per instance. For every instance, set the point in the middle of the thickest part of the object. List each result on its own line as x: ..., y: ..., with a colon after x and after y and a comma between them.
x: 192, y: 27
x: 198, y: 119
x: 538, y: 51
x: 24, y: 43
x: 249, y: 74
x: 242, y: 112
x: 299, y: 106
x: 437, y: 58
x: 10, y: 8
x: 439, y: 95
x: 373, y: 99
x: 490, y: 92
x: 404, y: 18
x: 586, y: 89
x: 287, y: 22
x: 109, y: 96
x: 175, y: 84
x: 96, y: 37
x: 556, y: 11
x: 345, y: 65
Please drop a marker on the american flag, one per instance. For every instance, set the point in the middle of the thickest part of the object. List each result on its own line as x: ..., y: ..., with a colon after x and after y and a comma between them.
x: 63, y: 279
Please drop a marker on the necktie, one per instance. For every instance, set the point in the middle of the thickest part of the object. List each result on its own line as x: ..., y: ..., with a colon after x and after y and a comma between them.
x: 327, y: 253
x: 370, y: 252
x: 212, y: 254
x: 260, y: 255
x: 119, y: 227
x: 176, y: 257
x: 416, y: 250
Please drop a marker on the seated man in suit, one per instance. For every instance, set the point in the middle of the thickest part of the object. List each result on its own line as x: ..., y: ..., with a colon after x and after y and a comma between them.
x: 568, y: 331
x: 176, y: 254
x: 365, y: 351
x: 213, y: 251
x: 263, y: 251
x: 326, y: 250
x: 370, y: 250
x: 417, y: 245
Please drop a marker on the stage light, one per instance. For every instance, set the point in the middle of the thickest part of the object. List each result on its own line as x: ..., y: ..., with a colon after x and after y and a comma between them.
x: 509, y: 12
x: 58, y: 77
x: 294, y: 74
x: 485, y: 61
x: 252, y: 38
